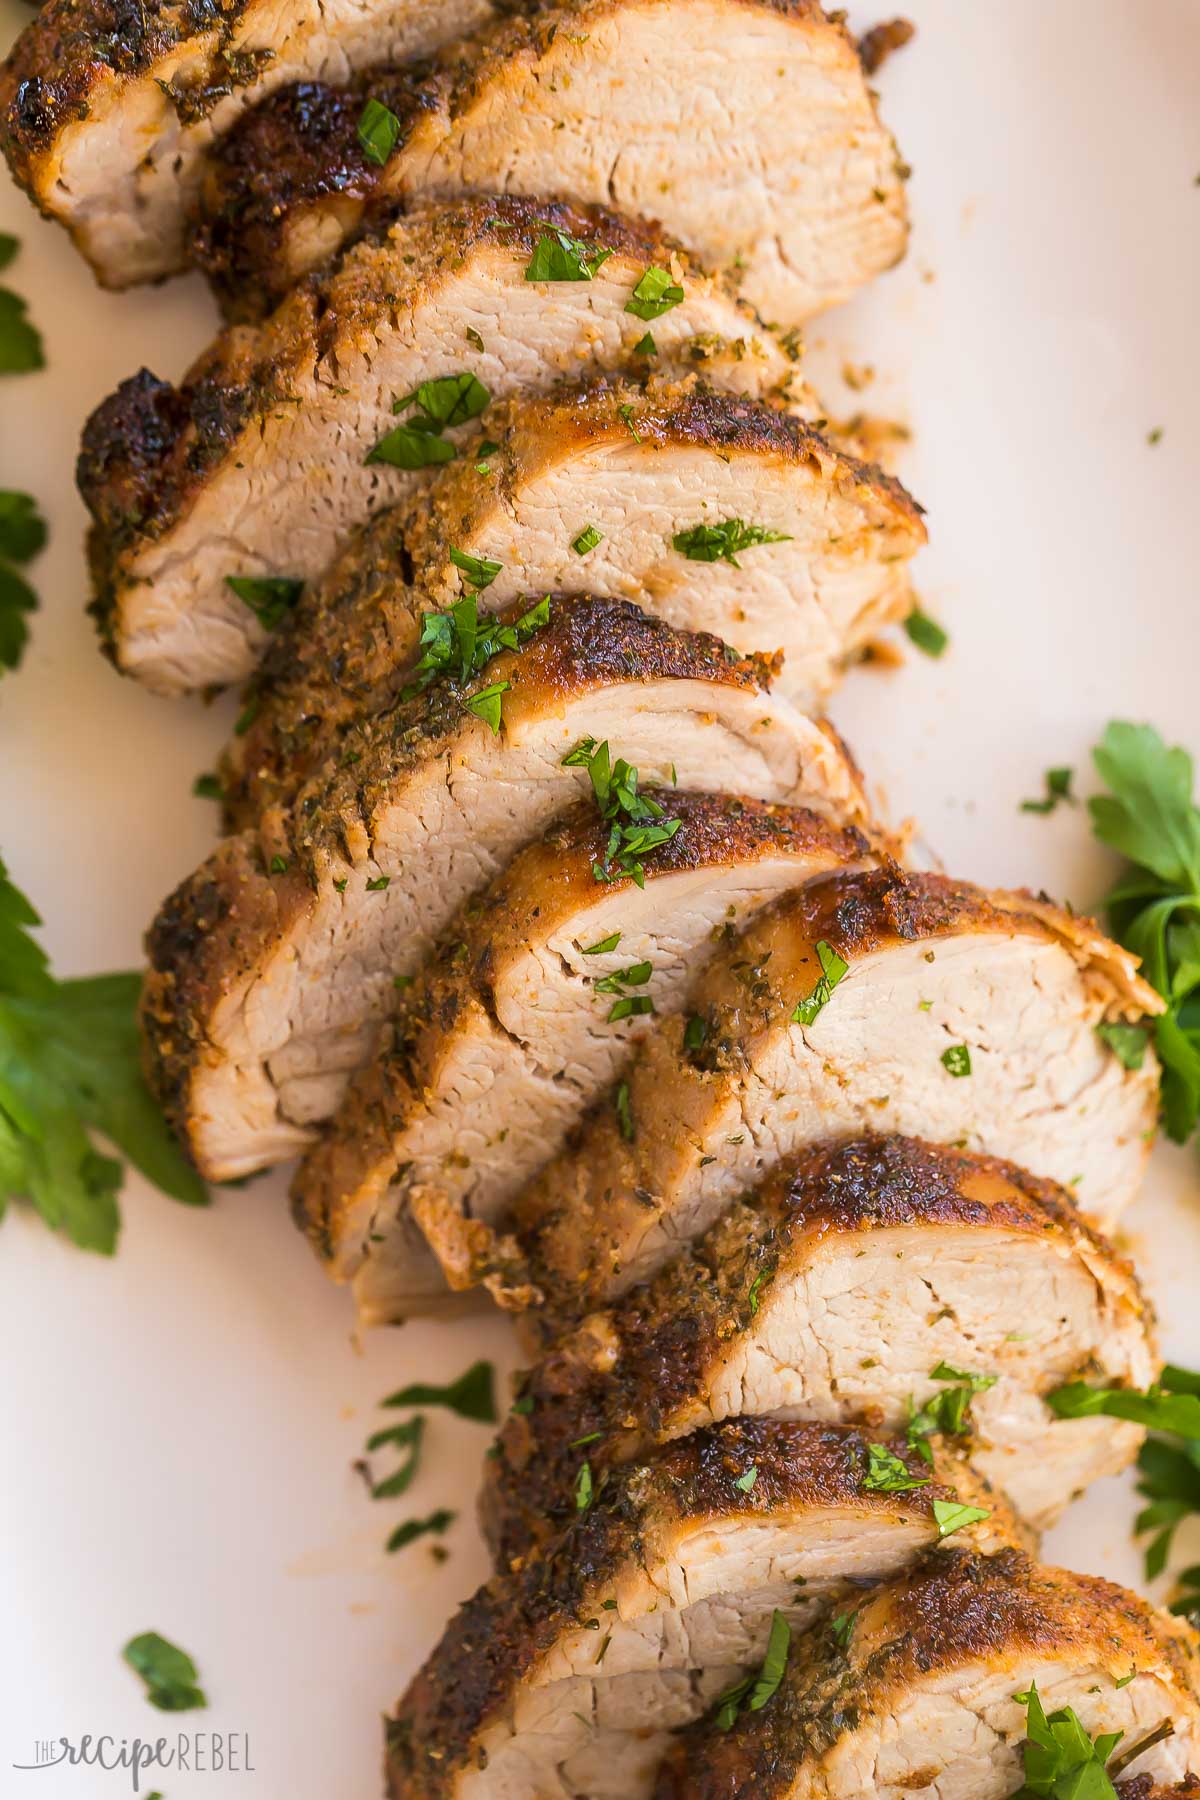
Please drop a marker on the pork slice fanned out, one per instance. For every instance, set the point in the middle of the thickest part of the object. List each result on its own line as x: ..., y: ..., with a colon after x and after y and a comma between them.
x: 272, y: 966
x: 918, y: 1691
x: 746, y: 126
x: 107, y: 110
x: 713, y: 512
x: 567, y: 1676
x: 256, y: 467
x: 881, y: 1280
x: 961, y: 1016
x: 538, y: 993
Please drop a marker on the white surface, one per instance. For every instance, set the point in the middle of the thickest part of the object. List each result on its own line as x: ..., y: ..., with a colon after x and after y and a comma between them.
x: 178, y: 1425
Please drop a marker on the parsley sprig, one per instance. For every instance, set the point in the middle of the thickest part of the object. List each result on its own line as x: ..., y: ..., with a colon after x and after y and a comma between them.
x: 22, y: 537
x: 638, y: 825
x: 1061, y: 1760
x: 171, y: 1677
x: 948, y: 1412
x: 724, y: 541
x: 1149, y: 817
x: 70, y: 1065
x: 436, y: 407
x: 457, y: 645
x: 21, y: 350
x: 753, y: 1691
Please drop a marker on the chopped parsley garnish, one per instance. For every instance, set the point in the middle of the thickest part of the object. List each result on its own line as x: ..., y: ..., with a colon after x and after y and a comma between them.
x: 70, y: 1064
x: 1127, y: 1043
x: 472, y: 1396
x: 584, y: 1487
x: 752, y: 1693
x: 833, y: 969
x: 654, y: 294
x: 628, y: 1005
x: 925, y: 632
x: 406, y: 1437
x: 754, y: 1296
x: 269, y: 597
x: 604, y: 945
x: 645, y: 346
x: 624, y: 1112
x: 21, y: 349
x: 208, y: 787
x: 480, y: 570
x: 745, y: 1483
x: 22, y: 537
x: 1149, y: 817
x: 559, y: 257
x: 456, y: 643
x: 952, y: 1515
x: 587, y: 540
x: 1058, y: 787
x: 724, y: 541
x: 1061, y: 1760
x: 945, y: 1414
x: 486, y: 704
x: 638, y: 825
x: 842, y: 1627
x: 170, y: 1675
x: 278, y: 866
x: 378, y: 884
x: 695, y: 1033
x: 886, y: 1473
x: 625, y: 414
x: 378, y: 132
x: 438, y: 405
x: 957, y: 1060
x: 437, y: 1523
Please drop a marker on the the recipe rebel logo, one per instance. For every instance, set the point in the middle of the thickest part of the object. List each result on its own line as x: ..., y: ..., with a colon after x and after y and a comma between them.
x: 186, y: 1752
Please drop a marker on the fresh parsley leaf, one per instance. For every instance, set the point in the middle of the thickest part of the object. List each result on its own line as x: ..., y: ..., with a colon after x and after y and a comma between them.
x: 625, y: 414
x: 21, y: 348
x: 842, y: 1627
x: 584, y: 1487
x: 624, y: 1112
x: 745, y: 1483
x: 925, y: 632
x: 587, y: 540
x: 1127, y: 1043
x: 486, y: 704
x: 695, y: 1033
x: 753, y: 1297
x: 412, y: 1529
x: 1061, y: 1761
x: 753, y: 1692
x: 886, y: 1473
x: 833, y: 969
x: 378, y: 132
x: 957, y: 1060
x: 636, y: 975
x: 724, y: 541
x: 269, y: 597
x: 604, y: 945
x: 654, y: 294
x: 951, y: 1516
x: 440, y: 404
x: 70, y: 1064
x: 946, y: 1414
x: 645, y: 346
x: 630, y: 1006
x: 22, y: 527
x: 1158, y: 1408
x: 411, y: 446
x: 9, y: 245
x: 208, y: 787
x: 638, y: 825
x: 22, y: 537
x: 559, y: 257
x: 479, y: 569
x: 1058, y: 787
x: 472, y: 1396
x: 169, y: 1673
x: 407, y: 1438
x: 17, y: 599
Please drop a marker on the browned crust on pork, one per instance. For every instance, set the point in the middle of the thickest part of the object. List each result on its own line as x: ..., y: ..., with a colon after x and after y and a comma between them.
x: 625, y: 1371
x: 226, y: 916
x: 999, y: 1610
x: 497, y: 1637
x: 548, y: 880
x: 882, y: 41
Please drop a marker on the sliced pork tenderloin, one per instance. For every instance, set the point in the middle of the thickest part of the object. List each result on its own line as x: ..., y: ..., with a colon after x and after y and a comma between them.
x: 106, y: 111
x: 746, y: 126
x: 566, y: 1677
x: 273, y: 965
x: 537, y: 994
x: 964, y: 1016
x: 612, y: 487
x: 918, y: 1691
x: 256, y: 467
x: 862, y: 1282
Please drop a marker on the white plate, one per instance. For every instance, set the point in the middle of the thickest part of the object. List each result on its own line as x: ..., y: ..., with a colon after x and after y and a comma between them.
x: 179, y: 1424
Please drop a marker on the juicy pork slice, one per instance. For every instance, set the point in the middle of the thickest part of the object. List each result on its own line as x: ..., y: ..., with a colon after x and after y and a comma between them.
x: 257, y: 468
x: 745, y: 126
x: 272, y: 967
x: 531, y: 1006
x: 866, y: 1281
x: 107, y: 111
x: 566, y: 1677
x: 920, y: 1693
x: 963, y: 1016
x: 593, y: 489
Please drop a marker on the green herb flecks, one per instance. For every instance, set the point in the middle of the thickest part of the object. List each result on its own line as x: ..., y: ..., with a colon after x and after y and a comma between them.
x: 925, y: 632
x: 833, y: 969
x: 1061, y: 1760
x: 1127, y: 1043
x: 655, y: 294
x: 378, y: 132
x: 560, y: 257
x: 269, y: 597
x: 947, y: 1413
x: 170, y: 1675
x: 957, y: 1060
x: 724, y: 541
x: 436, y: 1523
x: 753, y: 1692
x: 886, y: 1473
x: 624, y: 1112
x: 437, y: 406
x: 21, y: 348
x: 585, y: 1487
x: 22, y: 537
x: 951, y: 1515
x: 70, y: 1065
x: 472, y: 1396
x: 587, y: 540
x: 637, y: 825
x: 405, y: 1437
x: 1058, y: 787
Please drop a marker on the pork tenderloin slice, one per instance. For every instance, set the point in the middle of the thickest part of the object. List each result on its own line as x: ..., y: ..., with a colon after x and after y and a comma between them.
x: 922, y: 1697
x: 565, y: 1676
x: 934, y: 966
x: 833, y: 1292
x: 272, y: 966
x: 746, y: 126
x: 506, y: 1041
x: 638, y: 464
x: 256, y: 465
x: 107, y: 111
